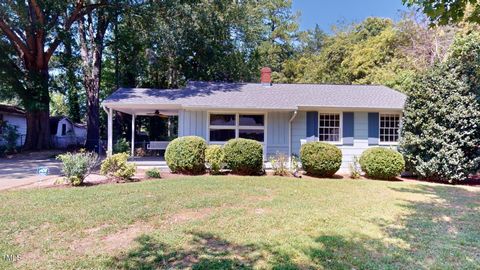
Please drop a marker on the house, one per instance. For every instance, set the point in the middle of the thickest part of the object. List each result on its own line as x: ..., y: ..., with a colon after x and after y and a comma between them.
x: 14, y: 116
x: 65, y: 132
x: 280, y: 116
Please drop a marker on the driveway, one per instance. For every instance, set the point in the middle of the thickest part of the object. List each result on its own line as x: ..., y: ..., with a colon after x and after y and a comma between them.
x: 23, y: 169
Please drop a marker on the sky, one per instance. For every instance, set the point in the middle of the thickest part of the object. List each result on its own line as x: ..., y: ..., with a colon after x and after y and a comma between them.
x: 329, y: 12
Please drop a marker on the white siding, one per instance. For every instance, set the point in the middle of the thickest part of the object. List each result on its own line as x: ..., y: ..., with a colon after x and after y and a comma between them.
x: 192, y: 123
x: 20, y: 122
x: 277, y: 132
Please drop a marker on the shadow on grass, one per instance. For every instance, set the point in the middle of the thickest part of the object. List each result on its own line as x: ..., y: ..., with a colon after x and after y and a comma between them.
x: 442, y: 233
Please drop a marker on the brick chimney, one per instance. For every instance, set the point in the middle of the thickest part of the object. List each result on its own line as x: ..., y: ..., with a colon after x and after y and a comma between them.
x: 266, y: 76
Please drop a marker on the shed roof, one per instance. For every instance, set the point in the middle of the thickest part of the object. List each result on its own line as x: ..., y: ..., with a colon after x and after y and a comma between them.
x: 258, y: 96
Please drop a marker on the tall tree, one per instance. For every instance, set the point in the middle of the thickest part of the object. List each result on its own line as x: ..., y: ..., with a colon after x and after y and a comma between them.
x: 34, y: 30
x: 92, y: 29
x: 71, y: 82
x: 281, y: 32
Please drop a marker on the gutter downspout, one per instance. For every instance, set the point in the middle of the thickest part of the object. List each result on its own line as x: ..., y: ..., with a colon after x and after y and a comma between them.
x: 290, y: 138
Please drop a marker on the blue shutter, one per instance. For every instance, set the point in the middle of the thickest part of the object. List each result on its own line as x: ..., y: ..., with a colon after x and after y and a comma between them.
x: 373, y: 128
x: 348, y: 126
x: 312, y: 124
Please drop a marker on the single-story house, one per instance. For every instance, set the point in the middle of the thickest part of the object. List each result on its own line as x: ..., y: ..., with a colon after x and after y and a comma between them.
x: 14, y: 116
x: 280, y: 116
x: 65, y: 132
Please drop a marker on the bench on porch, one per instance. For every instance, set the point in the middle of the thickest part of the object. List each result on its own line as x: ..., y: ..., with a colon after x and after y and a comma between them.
x: 157, y: 145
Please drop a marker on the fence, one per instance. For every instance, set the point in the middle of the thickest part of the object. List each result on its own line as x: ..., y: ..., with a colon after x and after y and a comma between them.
x: 67, y: 141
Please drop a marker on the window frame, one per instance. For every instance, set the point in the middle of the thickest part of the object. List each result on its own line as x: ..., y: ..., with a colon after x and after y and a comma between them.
x: 380, y: 127
x: 340, y: 132
x: 237, y: 127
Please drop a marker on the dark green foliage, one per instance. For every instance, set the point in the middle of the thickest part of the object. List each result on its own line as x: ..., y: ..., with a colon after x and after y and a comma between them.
x: 10, y: 135
x: 186, y: 155
x: 244, y: 156
x: 441, y: 126
x: 382, y: 163
x: 153, y: 173
x: 320, y: 159
x: 121, y: 146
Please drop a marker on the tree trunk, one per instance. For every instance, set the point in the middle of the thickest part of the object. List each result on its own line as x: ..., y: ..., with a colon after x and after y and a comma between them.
x: 93, y: 112
x: 72, y: 90
x: 37, y: 106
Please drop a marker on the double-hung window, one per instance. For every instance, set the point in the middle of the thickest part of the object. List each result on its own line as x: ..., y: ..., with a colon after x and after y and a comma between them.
x: 329, y: 127
x: 389, y: 128
x: 226, y: 126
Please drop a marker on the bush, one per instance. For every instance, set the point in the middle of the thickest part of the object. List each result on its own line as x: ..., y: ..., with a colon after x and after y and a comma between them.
x: 440, y: 129
x: 77, y: 166
x: 280, y: 164
x: 186, y: 155
x: 153, y: 173
x: 382, y: 163
x: 116, y: 166
x: 244, y: 156
x: 121, y: 146
x: 320, y: 159
x: 214, y: 157
x: 10, y: 135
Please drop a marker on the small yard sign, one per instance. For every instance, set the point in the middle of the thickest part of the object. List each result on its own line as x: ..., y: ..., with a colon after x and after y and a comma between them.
x: 42, y: 171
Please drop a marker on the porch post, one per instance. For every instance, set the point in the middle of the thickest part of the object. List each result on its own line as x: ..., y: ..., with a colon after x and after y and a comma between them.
x: 110, y: 132
x: 133, y: 135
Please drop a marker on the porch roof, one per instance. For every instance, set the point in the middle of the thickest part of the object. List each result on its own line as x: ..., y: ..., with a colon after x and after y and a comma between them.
x: 218, y: 95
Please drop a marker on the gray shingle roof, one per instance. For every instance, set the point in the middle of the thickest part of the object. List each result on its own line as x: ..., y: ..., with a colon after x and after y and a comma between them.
x: 258, y: 96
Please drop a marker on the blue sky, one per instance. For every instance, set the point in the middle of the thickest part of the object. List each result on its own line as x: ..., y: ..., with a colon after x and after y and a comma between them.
x: 329, y: 12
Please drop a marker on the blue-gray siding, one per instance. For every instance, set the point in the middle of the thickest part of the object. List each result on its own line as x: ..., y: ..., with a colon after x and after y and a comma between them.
x: 277, y: 132
x: 358, y: 129
x: 192, y: 123
x: 299, y: 131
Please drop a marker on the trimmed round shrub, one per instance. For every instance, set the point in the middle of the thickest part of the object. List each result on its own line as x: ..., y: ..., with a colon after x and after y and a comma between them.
x: 214, y: 157
x: 382, y: 163
x: 244, y: 156
x: 320, y: 159
x: 186, y: 155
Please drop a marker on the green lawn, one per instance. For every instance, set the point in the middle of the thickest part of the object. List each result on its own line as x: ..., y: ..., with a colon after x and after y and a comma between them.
x: 243, y: 222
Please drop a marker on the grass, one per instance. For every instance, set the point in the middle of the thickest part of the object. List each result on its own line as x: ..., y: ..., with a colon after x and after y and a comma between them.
x: 243, y: 223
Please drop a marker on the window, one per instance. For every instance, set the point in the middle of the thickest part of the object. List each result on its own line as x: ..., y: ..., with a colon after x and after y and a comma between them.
x: 64, y: 129
x: 223, y: 127
x: 389, y: 126
x: 329, y: 127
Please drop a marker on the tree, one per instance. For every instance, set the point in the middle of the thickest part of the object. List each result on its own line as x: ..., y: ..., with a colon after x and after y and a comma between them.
x: 92, y: 28
x: 281, y: 32
x: 440, y: 133
x: 35, y: 30
x: 444, y: 12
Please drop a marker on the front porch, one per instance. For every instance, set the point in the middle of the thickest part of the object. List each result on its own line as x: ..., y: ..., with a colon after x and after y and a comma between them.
x: 147, y: 131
